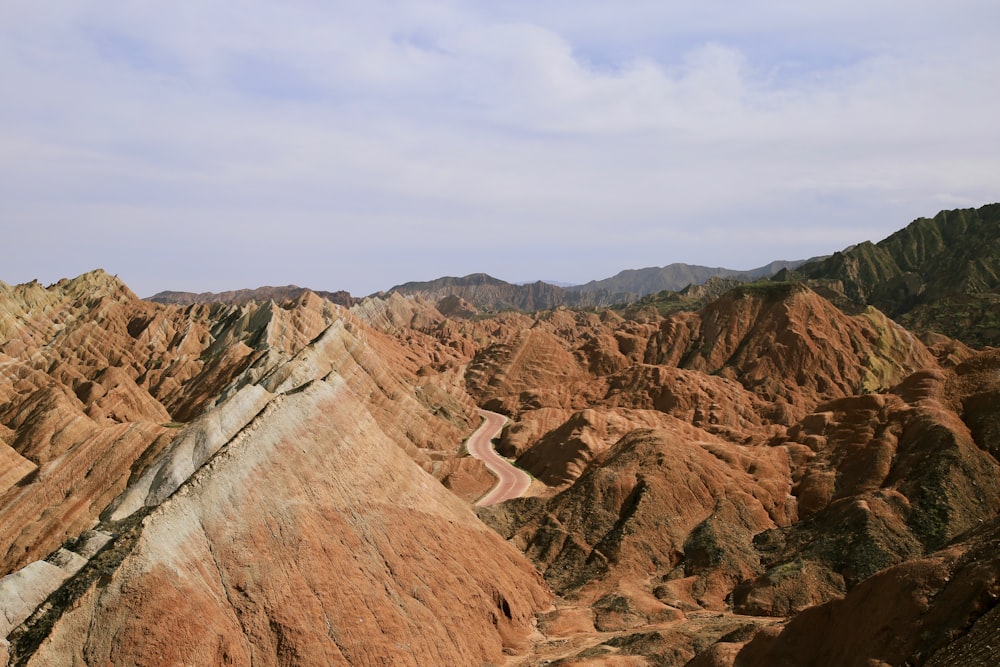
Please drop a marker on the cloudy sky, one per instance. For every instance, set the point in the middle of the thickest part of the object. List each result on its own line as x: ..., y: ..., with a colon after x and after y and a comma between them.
x: 345, y: 144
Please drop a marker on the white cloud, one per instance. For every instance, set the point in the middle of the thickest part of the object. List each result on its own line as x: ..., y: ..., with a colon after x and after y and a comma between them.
x: 570, y: 131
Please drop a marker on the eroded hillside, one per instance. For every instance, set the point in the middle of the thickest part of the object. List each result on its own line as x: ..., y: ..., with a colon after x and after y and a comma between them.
x: 767, y: 479
x: 764, y: 456
x: 236, y: 485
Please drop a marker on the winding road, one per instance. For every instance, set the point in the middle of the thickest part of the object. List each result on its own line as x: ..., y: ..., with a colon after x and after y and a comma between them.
x: 512, y: 482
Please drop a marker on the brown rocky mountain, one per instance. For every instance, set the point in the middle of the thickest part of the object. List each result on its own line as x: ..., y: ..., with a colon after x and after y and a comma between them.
x: 721, y: 490
x: 227, y: 485
x: 938, y: 274
x: 772, y: 474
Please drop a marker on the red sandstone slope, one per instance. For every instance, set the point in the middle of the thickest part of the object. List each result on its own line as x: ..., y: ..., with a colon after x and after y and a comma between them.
x: 848, y: 447
x: 879, y: 479
x: 747, y: 365
x: 283, y: 524
x: 94, y: 381
x: 785, y: 343
x: 311, y: 539
x: 638, y: 515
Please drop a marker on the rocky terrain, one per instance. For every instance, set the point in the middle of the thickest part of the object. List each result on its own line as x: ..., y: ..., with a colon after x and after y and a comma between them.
x: 236, y: 485
x: 773, y: 473
x: 720, y: 488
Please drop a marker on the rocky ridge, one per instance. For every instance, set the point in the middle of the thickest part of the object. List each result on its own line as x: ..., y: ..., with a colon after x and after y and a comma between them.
x: 938, y: 274
x: 489, y: 293
x: 205, y: 538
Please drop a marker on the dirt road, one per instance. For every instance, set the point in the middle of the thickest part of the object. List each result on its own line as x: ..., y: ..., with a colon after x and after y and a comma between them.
x: 512, y: 482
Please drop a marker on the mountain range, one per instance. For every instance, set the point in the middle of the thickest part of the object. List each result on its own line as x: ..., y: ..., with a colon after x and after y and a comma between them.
x: 675, y: 277
x: 491, y: 293
x: 938, y: 274
x: 796, y: 469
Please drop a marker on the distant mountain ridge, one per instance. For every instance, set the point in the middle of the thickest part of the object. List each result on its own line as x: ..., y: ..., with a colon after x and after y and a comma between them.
x: 939, y: 274
x: 486, y: 292
x: 243, y: 296
x: 626, y: 287
x: 675, y: 277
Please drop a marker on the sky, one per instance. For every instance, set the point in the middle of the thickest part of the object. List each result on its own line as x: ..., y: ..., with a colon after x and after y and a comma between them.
x: 356, y: 145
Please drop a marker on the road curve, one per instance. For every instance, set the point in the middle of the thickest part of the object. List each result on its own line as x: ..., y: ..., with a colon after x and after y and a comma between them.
x: 512, y: 482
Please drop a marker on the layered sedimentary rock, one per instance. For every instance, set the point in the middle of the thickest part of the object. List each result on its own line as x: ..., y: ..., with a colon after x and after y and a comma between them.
x: 783, y: 343
x: 786, y: 344
x: 791, y: 451
x: 311, y: 538
x: 658, y: 496
x: 95, y: 381
x: 251, y: 481
x: 564, y: 445
x: 879, y: 479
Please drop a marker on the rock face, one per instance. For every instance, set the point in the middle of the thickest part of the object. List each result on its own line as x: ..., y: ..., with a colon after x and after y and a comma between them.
x: 674, y: 505
x: 783, y: 342
x: 306, y: 542
x: 578, y: 440
x: 288, y: 522
x: 759, y: 355
x: 880, y: 479
x: 95, y: 381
